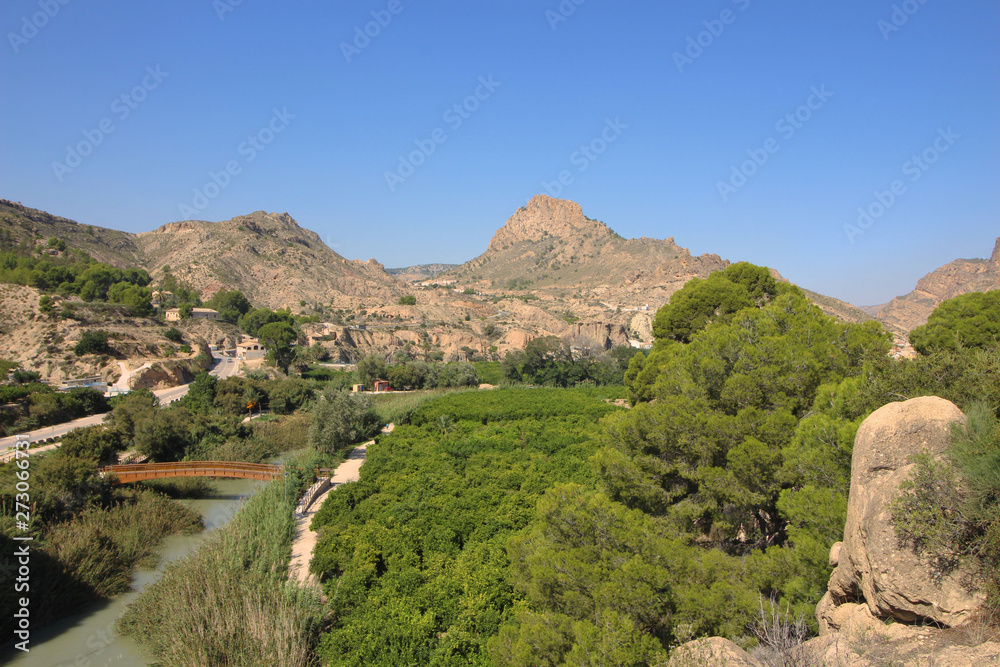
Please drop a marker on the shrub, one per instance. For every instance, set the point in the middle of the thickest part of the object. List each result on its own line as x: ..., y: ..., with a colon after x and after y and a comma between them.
x: 408, y: 300
x: 950, y: 509
x: 173, y: 334
x: 92, y: 342
x: 340, y: 420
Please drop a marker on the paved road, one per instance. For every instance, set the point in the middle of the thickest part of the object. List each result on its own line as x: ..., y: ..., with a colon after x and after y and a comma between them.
x: 224, y: 367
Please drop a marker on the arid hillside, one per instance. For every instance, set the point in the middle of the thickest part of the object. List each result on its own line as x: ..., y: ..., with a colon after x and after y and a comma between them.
x: 580, y: 270
x: 268, y: 257
x: 905, y: 313
x: 45, y: 344
x: 549, y: 270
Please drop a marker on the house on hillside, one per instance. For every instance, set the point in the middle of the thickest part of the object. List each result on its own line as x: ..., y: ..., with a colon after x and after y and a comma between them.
x: 250, y: 350
x: 174, y: 314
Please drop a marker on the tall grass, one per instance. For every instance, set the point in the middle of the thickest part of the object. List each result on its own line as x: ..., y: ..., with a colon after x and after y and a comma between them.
x: 230, y: 602
x: 92, y: 556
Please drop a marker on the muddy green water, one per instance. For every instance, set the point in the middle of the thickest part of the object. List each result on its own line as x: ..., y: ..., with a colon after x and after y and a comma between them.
x: 88, y: 639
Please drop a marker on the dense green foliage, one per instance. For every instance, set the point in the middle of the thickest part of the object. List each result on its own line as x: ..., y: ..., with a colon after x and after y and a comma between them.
x: 423, y: 375
x: 414, y: 555
x: 74, y: 272
x: 341, y: 419
x: 231, y: 305
x: 229, y: 603
x: 966, y: 321
x: 278, y: 338
x: 38, y: 405
x: 549, y: 361
x: 716, y: 298
x: 92, y: 342
x: 253, y: 320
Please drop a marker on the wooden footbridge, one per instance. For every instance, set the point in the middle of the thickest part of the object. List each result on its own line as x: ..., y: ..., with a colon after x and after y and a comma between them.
x: 233, y: 469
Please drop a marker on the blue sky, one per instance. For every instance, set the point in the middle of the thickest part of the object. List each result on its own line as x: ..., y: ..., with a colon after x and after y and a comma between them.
x: 682, y: 109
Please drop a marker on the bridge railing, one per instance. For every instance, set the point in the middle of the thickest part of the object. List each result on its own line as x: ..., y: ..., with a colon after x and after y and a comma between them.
x: 141, y: 471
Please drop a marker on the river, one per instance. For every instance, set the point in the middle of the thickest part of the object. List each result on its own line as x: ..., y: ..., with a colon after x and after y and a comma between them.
x: 88, y: 639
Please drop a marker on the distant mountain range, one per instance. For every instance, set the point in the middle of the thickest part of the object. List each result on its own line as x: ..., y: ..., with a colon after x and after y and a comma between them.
x: 420, y: 272
x: 548, y: 270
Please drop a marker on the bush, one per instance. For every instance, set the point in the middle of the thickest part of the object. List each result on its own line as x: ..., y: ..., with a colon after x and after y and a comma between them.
x: 408, y: 300
x: 173, y: 334
x: 950, y: 511
x: 341, y: 419
x: 92, y: 342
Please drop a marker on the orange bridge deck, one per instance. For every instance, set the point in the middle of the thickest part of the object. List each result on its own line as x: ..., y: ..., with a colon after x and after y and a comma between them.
x: 234, y: 469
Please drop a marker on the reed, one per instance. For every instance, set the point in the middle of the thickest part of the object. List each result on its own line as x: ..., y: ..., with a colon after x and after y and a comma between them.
x: 230, y: 601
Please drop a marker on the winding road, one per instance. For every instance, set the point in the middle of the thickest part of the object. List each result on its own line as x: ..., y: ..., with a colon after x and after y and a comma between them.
x: 224, y: 367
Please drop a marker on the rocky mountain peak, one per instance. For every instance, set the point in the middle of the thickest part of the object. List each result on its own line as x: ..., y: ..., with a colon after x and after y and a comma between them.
x: 544, y: 217
x: 995, y: 257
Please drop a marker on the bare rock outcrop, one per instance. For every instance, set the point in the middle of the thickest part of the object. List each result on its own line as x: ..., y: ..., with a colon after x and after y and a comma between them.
x: 711, y: 652
x: 872, y: 566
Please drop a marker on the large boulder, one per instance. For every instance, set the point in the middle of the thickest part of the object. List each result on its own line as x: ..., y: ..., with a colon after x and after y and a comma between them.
x: 872, y: 567
x: 711, y: 652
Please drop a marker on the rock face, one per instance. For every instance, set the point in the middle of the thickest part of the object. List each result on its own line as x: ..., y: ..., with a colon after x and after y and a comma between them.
x: 268, y: 257
x: 905, y: 313
x: 871, y: 566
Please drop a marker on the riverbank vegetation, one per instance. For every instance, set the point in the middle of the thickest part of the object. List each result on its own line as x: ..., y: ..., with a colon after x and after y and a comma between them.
x: 230, y: 603
x: 88, y: 536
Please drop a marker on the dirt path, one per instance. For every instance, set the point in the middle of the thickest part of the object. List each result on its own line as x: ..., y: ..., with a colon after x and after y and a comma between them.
x: 305, y: 538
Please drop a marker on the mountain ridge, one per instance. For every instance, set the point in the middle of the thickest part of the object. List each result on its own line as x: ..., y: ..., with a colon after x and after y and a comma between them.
x: 960, y: 276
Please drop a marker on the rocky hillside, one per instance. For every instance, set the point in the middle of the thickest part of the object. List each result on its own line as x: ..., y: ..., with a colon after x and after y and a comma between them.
x: 905, y: 313
x: 550, y: 244
x: 268, y: 257
x: 549, y: 270
x: 579, y: 269
x: 105, y: 245
x: 45, y: 344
